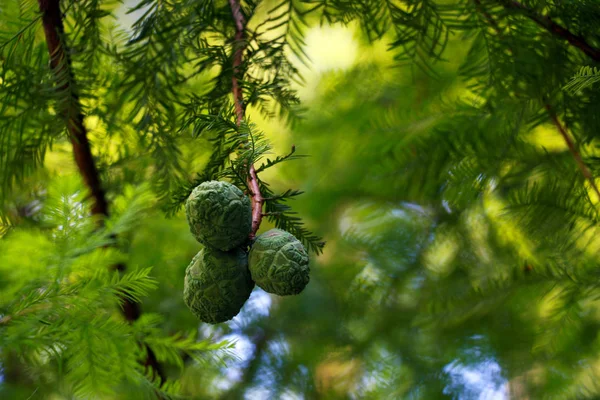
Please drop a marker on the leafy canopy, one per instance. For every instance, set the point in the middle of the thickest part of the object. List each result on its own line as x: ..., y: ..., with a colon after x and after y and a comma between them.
x: 457, y: 195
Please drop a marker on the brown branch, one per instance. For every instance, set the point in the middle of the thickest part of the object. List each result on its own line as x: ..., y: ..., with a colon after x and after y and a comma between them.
x: 257, y: 201
x: 554, y: 28
x: 238, y: 51
x: 71, y: 111
x: 61, y: 66
x: 563, y: 132
x: 573, y: 149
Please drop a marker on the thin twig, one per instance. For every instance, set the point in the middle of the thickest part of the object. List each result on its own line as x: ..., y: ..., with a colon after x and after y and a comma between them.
x: 573, y: 149
x: 238, y: 52
x: 21, y: 31
x: 554, y: 28
x: 7, y: 318
x: 587, y: 174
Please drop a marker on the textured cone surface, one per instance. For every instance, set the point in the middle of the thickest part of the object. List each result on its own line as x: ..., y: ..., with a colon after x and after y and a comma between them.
x: 219, y: 215
x: 279, y: 263
x: 217, y: 284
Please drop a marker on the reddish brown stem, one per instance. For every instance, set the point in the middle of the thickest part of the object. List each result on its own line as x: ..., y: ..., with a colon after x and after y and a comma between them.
x: 585, y: 171
x: 61, y: 66
x: 71, y: 111
x: 554, y: 28
x: 238, y: 98
x: 257, y: 201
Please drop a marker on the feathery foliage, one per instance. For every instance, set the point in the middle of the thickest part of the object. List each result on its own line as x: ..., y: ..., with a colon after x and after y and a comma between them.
x: 458, y: 198
x: 584, y: 78
x: 60, y: 300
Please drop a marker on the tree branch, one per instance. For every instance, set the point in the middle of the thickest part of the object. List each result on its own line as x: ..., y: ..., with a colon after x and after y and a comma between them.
x: 60, y: 64
x: 240, y: 109
x: 239, y: 46
x: 587, y: 174
x: 573, y: 149
x: 554, y: 28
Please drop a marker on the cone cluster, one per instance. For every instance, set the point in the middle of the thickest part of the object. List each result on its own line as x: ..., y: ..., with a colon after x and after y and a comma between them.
x: 221, y: 276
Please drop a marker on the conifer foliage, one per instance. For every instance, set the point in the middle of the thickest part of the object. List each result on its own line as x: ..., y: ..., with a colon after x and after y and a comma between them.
x: 454, y: 215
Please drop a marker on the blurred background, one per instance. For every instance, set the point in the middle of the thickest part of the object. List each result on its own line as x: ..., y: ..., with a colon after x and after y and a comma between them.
x: 461, y: 253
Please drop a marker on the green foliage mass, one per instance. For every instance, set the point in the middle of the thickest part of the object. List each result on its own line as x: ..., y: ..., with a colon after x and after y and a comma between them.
x: 219, y: 215
x: 217, y: 284
x: 278, y: 263
x: 60, y: 301
x: 453, y: 177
